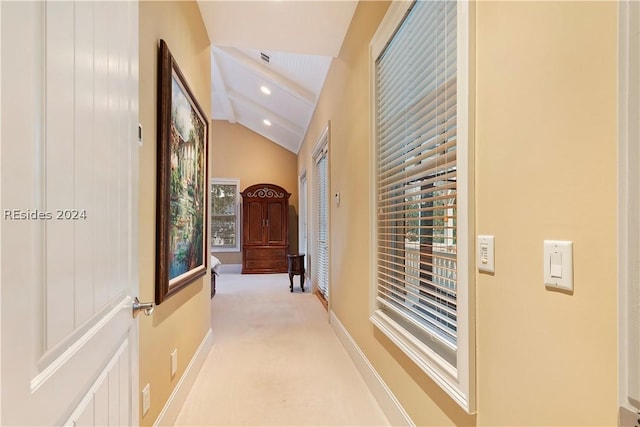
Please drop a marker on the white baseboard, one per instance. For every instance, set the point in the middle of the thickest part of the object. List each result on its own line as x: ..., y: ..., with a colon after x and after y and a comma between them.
x: 171, y: 409
x: 231, y: 268
x: 388, y: 402
x: 627, y: 418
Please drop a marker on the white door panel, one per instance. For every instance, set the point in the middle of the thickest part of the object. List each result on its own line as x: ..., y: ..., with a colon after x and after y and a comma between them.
x: 69, y: 174
x: 107, y: 400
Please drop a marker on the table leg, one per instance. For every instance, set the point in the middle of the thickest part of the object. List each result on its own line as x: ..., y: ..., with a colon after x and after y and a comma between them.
x: 291, y: 281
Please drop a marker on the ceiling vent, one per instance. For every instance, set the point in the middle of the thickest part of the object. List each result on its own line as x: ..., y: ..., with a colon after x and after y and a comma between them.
x: 265, y: 57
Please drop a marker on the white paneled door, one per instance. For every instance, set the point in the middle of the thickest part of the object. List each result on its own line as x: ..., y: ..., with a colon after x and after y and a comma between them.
x: 69, y: 168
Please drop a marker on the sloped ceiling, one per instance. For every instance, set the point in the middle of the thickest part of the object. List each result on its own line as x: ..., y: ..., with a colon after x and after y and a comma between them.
x: 300, y: 38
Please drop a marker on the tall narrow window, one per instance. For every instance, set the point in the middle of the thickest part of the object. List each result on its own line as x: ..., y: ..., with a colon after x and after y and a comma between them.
x: 224, y: 215
x: 321, y: 157
x: 323, y: 232
x: 422, y: 292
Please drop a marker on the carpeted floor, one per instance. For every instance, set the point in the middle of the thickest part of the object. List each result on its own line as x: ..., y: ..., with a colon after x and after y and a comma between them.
x: 275, y: 361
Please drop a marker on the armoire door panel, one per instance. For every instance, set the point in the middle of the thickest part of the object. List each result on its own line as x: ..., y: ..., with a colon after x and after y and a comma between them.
x: 254, y: 224
x: 275, y: 230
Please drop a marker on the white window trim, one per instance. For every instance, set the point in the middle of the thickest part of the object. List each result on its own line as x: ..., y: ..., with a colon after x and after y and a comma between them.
x: 322, y: 144
x: 236, y: 182
x: 460, y: 382
x: 628, y: 209
x: 303, y: 215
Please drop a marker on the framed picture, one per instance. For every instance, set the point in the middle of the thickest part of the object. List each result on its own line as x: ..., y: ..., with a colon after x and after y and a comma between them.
x: 181, y: 212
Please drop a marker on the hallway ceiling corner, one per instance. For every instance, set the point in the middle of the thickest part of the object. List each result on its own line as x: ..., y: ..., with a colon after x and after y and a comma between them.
x: 269, y: 61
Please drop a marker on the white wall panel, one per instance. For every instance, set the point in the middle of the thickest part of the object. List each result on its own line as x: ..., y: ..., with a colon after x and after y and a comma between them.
x: 99, y: 212
x: 107, y: 401
x: 86, y: 417
x: 59, y: 138
x: 83, y: 150
x: 114, y: 395
x: 124, y: 404
x: 76, y: 115
x: 124, y: 143
x: 101, y: 403
x: 111, y: 158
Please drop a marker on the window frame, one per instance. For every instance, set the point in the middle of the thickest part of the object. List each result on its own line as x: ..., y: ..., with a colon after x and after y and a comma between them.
x: 303, y: 222
x: 628, y: 209
x: 321, y: 150
x: 458, y: 382
x: 227, y: 181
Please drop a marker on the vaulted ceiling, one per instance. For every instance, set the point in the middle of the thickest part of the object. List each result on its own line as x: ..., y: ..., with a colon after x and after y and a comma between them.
x: 269, y: 60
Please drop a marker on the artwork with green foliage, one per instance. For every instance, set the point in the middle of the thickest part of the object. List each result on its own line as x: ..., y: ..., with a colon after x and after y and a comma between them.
x: 182, y: 178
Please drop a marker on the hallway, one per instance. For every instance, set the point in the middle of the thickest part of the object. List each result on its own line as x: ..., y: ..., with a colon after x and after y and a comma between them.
x: 275, y: 361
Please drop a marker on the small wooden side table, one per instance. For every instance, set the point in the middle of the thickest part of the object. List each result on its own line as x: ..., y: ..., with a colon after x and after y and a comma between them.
x: 295, y: 265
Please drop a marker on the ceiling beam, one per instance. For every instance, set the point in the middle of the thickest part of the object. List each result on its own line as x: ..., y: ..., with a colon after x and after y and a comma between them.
x: 221, y: 88
x: 275, y: 118
x: 269, y: 134
x: 283, y: 83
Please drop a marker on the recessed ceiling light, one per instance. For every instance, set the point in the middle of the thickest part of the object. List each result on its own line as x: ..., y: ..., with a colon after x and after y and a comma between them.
x: 266, y: 122
x: 265, y: 90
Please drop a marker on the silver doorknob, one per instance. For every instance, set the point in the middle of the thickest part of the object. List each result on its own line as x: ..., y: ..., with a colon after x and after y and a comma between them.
x: 138, y: 306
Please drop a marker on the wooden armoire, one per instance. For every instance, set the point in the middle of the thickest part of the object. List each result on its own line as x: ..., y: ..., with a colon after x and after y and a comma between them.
x: 265, y: 219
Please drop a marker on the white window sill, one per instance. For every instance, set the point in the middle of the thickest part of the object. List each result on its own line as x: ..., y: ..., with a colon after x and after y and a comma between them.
x: 437, y: 368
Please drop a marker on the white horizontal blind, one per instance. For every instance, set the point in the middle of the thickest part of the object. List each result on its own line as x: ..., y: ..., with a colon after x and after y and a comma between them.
x: 417, y: 175
x: 323, y: 229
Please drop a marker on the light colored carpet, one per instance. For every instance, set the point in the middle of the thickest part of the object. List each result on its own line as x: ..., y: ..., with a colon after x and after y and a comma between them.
x: 275, y: 361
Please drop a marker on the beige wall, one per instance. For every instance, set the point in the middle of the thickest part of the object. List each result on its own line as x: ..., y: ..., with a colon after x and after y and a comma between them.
x: 546, y: 136
x: 546, y: 169
x: 237, y: 152
x: 182, y: 321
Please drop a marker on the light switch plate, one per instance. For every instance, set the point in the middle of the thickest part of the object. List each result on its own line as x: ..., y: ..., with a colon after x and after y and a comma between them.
x: 486, y: 257
x: 146, y: 399
x: 174, y: 362
x: 558, y: 264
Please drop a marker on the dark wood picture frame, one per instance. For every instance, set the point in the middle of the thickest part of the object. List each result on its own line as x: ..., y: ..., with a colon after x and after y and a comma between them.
x: 182, y: 181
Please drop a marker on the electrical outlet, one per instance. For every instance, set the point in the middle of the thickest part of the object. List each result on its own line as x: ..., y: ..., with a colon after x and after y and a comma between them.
x: 146, y: 399
x: 174, y: 362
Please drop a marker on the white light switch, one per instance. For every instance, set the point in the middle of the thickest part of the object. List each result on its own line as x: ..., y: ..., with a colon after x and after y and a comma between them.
x: 558, y: 264
x: 485, y: 251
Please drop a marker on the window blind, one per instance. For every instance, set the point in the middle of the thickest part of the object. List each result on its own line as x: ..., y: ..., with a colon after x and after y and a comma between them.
x: 323, y: 230
x: 416, y: 140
